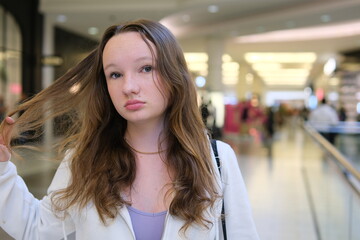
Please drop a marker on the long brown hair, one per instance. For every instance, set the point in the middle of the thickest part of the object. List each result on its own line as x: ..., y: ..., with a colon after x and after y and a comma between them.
x: 102, y: 164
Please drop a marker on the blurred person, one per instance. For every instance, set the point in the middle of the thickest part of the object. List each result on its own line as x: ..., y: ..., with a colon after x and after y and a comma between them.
x: 269, y: 123
x: 216, y: 132
x: 212, y: 114
x: 137, y: 157
x: 323, y: 118
x: 231, y: 123
x: 342, y: 113
x: 304, y: 113
x: 243, y: 110
x: 205, y: 112
x: 256, y: 119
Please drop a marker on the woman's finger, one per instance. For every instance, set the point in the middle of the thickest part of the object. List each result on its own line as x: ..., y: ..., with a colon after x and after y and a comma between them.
x: 4, y: 153
x: 6, y: 130
x: 9, y: 120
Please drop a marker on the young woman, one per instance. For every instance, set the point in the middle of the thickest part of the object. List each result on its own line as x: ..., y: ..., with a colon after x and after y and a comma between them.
x: 137, y: 159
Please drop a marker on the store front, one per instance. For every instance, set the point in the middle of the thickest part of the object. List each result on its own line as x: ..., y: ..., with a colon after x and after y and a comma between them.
x: 10, y: 60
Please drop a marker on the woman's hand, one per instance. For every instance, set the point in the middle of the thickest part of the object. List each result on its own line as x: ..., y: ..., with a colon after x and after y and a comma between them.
x: 5, y: 136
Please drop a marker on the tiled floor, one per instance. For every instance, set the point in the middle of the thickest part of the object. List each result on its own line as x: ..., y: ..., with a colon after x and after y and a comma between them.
x: 276, y: 189
x: 295, y: 192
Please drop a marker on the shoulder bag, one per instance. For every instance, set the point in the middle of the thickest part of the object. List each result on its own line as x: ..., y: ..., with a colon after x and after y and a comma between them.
x: 214, y: 147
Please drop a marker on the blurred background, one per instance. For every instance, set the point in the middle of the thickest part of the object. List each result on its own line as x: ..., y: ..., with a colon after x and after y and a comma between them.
x: 261, y: 68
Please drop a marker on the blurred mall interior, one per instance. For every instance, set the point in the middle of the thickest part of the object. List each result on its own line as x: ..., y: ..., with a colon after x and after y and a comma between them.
x: 261, y: 68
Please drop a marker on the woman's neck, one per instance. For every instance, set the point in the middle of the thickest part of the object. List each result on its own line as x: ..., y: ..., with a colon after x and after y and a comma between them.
x: 145, y: 138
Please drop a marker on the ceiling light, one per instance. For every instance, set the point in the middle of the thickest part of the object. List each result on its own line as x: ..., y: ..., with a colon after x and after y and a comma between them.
x: 197, y: 62
x: 330, y: 66
x: 257, y: 57
x: 290, y: 24
x: 325, y: 18
x: 283, y: 77
x: 197, y: 66
x: 196, y: 57
x: 213, y: 9
x: 186, y: 18
x: 200, y: 81
x: 260, y: 29
x: 226, y: 58
x: 285, y: 68
x: 61, y: 18
x: 288, y: 71
x: 249, y: 77
x: 93, y: 30
x: 229, y: 80
x: 230, y: 73
x: 230, y: 66
x: 266, y: 66
x: 284, y: 81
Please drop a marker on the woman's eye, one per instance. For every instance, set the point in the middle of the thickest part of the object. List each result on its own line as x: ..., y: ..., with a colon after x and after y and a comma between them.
x: 115, y: 75
x: 147, y: 69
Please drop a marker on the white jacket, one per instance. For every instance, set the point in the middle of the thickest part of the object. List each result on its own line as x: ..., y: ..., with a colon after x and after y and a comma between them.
x: 323, y: 118
x: 24, y: 217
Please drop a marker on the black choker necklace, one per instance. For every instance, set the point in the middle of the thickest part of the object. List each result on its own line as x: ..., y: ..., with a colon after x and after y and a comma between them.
x: 147, y: 153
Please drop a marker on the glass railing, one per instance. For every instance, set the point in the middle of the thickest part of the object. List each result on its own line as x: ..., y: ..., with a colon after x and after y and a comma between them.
x: 335, y: 196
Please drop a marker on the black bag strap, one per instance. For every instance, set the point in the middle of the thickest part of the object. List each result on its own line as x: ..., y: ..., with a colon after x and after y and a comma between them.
x: 217, y: 158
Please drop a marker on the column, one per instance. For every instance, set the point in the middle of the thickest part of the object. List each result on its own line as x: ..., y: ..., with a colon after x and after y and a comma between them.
x: 48, y: 74
x: 215, y: 51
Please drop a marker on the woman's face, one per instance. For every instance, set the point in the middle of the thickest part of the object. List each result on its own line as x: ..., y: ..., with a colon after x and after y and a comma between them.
x: 132, y: 79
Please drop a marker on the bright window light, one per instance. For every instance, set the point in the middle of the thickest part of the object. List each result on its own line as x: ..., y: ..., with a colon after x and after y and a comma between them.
x: 249, y: 77
x: 196, y: 57
x: 266, y: 66
x: 304, y: 34
x: 258, y: 57
x: 226, y: 58
x: 230, y: 73
x: 329, y: 66
x: 271, y: 97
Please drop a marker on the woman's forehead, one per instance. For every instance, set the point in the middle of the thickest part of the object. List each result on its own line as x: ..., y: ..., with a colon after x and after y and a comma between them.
x: 129, y: 44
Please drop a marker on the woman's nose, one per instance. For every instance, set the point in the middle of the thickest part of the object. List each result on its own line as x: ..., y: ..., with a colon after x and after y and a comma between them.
x: 130, y: 85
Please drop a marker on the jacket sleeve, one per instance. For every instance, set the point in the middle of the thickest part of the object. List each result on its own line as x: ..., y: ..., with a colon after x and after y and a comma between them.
x: 238, y: 215
x: 23, y: 216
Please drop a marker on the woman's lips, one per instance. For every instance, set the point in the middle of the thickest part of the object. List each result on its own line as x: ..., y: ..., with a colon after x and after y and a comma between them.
x: 134, y: 104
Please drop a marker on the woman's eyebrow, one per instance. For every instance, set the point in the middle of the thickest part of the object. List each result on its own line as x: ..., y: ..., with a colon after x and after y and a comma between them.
x: 109, y: 65
x: 144, y: 58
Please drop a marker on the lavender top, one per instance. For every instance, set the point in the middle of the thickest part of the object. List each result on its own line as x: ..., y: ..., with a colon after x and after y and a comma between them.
x: 147, y: 226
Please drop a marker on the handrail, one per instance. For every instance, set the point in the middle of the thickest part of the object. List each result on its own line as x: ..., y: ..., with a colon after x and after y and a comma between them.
x: 339, y: 157
x: 342, y: 127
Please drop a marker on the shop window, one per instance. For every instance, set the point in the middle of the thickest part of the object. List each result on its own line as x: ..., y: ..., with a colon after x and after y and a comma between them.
x: 10, y: 59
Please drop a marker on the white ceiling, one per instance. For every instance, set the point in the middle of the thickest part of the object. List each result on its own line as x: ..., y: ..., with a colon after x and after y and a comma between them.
x: 191, y: 22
